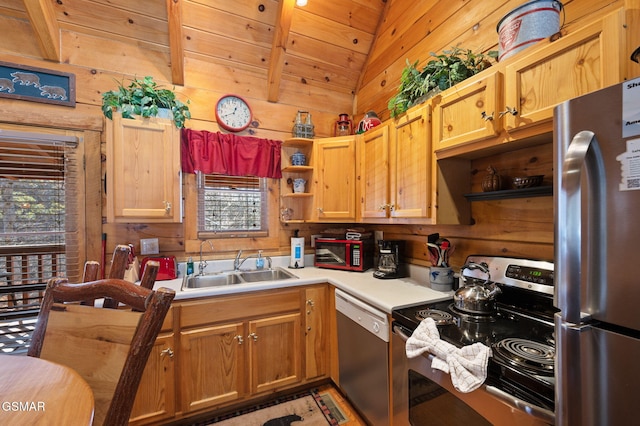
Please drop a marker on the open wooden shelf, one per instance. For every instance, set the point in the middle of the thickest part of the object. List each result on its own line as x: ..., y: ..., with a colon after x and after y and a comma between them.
x: 536, y: 191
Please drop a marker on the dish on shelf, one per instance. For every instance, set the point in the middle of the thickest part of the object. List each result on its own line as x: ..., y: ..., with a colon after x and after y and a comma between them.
x: 520, y: 182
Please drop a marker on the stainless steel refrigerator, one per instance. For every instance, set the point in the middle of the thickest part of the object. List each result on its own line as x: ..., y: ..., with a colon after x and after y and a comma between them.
x: 597, y: 250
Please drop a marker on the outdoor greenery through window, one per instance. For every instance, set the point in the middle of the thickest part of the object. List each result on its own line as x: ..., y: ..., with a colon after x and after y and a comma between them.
x: 231, y: 205
x: 38, y: 225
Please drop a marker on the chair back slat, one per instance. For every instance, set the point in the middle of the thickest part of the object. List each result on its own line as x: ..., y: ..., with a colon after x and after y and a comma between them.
x: 119, y: 263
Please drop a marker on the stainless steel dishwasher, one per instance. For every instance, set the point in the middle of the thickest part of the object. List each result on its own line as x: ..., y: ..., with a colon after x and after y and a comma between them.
x: 363, y: 357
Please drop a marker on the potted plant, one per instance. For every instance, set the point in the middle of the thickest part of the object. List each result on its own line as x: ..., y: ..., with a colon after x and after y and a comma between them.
x: 446, y: 70
x: 145, y: 98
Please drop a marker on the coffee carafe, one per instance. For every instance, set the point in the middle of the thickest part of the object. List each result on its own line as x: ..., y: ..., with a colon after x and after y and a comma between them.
x: 390, y: 260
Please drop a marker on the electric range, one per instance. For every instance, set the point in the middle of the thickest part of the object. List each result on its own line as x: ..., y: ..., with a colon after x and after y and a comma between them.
x: 520, y: 331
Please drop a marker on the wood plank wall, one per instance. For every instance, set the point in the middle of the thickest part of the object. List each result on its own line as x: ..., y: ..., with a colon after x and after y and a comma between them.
x: 410, y: 30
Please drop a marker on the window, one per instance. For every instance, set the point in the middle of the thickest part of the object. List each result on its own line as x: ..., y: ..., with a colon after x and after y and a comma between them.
x: 231, y: 206
x: 38, y: 225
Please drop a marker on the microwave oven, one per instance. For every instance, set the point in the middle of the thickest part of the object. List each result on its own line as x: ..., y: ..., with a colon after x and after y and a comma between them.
x: 348, y: 255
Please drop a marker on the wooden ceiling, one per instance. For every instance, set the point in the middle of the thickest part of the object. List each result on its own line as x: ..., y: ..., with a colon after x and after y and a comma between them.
x: 323, y: 43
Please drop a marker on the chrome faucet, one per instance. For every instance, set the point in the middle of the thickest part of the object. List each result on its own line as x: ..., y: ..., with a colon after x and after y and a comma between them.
x: 203, y: 264
x: 237, y: 263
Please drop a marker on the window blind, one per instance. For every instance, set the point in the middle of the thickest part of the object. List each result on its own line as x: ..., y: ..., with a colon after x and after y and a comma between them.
x: 231, y: 205
x: 38, y: 207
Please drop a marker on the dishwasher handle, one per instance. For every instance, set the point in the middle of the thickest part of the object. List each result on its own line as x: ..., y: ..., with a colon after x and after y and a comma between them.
x: 366, y: 316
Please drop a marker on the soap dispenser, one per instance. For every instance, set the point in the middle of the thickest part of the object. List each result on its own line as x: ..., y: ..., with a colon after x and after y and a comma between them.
x: 260, y: 260
x: 297, y: 251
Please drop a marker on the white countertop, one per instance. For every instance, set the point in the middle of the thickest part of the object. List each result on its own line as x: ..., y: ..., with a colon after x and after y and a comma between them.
x: 383, y: 294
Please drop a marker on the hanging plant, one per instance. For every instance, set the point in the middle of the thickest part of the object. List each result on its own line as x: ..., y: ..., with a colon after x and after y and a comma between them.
x: 145, y: 98
x: 446, y: 70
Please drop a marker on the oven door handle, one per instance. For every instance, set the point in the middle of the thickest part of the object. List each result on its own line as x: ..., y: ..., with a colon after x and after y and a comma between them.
x: 533, y: 410
x: 400, y: 331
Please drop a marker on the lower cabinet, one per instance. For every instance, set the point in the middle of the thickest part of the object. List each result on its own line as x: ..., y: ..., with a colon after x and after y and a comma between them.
x: 155, y: 400
x: 233, y: 348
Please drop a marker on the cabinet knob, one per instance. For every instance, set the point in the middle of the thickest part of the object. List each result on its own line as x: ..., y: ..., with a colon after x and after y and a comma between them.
x: 239, y: 339
x: 487, y: 117
x: 392, y: 207
x: 168, y: 352
x: 320, y: 210
x: 508, y: 110
x: 254, y: 336
x: 310, y: 302
x: 167, y: 206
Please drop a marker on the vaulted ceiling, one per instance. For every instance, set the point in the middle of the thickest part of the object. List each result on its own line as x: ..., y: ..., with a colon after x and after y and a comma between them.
x: 324, y: 43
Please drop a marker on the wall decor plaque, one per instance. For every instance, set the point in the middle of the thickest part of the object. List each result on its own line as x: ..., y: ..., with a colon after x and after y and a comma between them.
x: 37, y: 84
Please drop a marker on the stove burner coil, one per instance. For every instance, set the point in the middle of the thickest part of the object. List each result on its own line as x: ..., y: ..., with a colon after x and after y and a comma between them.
x: 527, y: 353
x: 440, y: 317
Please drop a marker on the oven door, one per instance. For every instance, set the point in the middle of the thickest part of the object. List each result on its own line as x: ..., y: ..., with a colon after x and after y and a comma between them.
x: 422, y: 394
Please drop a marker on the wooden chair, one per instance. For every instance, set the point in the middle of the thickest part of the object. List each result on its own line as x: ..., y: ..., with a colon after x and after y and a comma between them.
x: 109, y: 348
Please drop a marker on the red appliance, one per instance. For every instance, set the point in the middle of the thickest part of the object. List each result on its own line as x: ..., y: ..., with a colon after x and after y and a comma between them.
x: 348, y: 255
x: 168, y: 267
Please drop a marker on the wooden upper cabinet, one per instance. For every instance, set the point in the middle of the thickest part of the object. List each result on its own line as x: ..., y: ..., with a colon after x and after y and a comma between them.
x: 586, y: 60
x: 410, y: 164
x: 143, y: 170
x: 374, y: 172
x: 468, y: 112
x: 395, y: 168
x: 335, y: 185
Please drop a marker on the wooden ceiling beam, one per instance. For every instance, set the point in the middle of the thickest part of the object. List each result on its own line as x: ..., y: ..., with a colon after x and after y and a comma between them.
x: 176, y: 37
x: 279, y: 48
x: 43, y: 20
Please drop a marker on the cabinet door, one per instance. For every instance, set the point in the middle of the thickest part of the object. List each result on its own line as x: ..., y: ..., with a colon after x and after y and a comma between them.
x: 155, y: 399
x: 212, y: 361
x: 274, y: 352
x: 336, y: 175
x: 143, y: 170
x: 410, y: 160
x: 374, y: 172
x: 469, y: 112
x: 316, y: 322
x: 578, y: 63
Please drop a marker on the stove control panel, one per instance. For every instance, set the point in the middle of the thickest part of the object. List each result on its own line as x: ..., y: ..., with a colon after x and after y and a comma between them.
x: 532, y: 275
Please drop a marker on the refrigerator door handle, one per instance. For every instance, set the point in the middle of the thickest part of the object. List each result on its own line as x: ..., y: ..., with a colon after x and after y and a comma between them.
x: 583, y: 154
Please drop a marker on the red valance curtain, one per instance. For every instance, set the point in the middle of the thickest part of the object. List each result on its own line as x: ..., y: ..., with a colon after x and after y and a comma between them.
x: 229, y: 154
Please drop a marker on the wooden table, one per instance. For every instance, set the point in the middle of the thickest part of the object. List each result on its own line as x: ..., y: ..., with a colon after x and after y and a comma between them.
x: 34, y: 391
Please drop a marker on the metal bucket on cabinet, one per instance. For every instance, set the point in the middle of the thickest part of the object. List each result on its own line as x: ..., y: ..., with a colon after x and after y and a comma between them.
x: 526, y: 25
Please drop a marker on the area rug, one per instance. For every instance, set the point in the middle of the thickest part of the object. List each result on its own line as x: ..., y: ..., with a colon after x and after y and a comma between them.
x: 312, y: 408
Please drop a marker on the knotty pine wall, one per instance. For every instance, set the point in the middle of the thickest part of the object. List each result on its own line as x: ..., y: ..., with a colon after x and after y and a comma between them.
x: 411, y: 30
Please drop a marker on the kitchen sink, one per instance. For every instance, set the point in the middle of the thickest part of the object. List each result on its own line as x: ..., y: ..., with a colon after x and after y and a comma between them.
x: 236, y: 277
x: 266, y: 275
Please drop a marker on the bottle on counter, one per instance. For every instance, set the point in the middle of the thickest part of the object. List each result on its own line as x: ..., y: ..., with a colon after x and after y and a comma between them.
x: 190, y: 266
x: 259, y: 260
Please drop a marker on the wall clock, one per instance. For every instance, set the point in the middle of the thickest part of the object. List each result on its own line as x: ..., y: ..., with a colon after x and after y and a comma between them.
x: 233, y: 113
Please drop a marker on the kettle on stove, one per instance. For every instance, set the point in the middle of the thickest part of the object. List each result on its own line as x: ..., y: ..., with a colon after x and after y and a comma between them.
x: 477, y: 297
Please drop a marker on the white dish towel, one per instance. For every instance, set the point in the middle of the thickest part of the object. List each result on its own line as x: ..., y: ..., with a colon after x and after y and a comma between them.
x: 467, y: 365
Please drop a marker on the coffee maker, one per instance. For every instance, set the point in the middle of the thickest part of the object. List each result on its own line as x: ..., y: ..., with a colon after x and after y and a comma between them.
x: 390, y: 260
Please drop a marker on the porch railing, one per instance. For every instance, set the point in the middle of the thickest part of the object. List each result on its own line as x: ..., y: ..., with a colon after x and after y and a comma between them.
x: 24, y: 272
